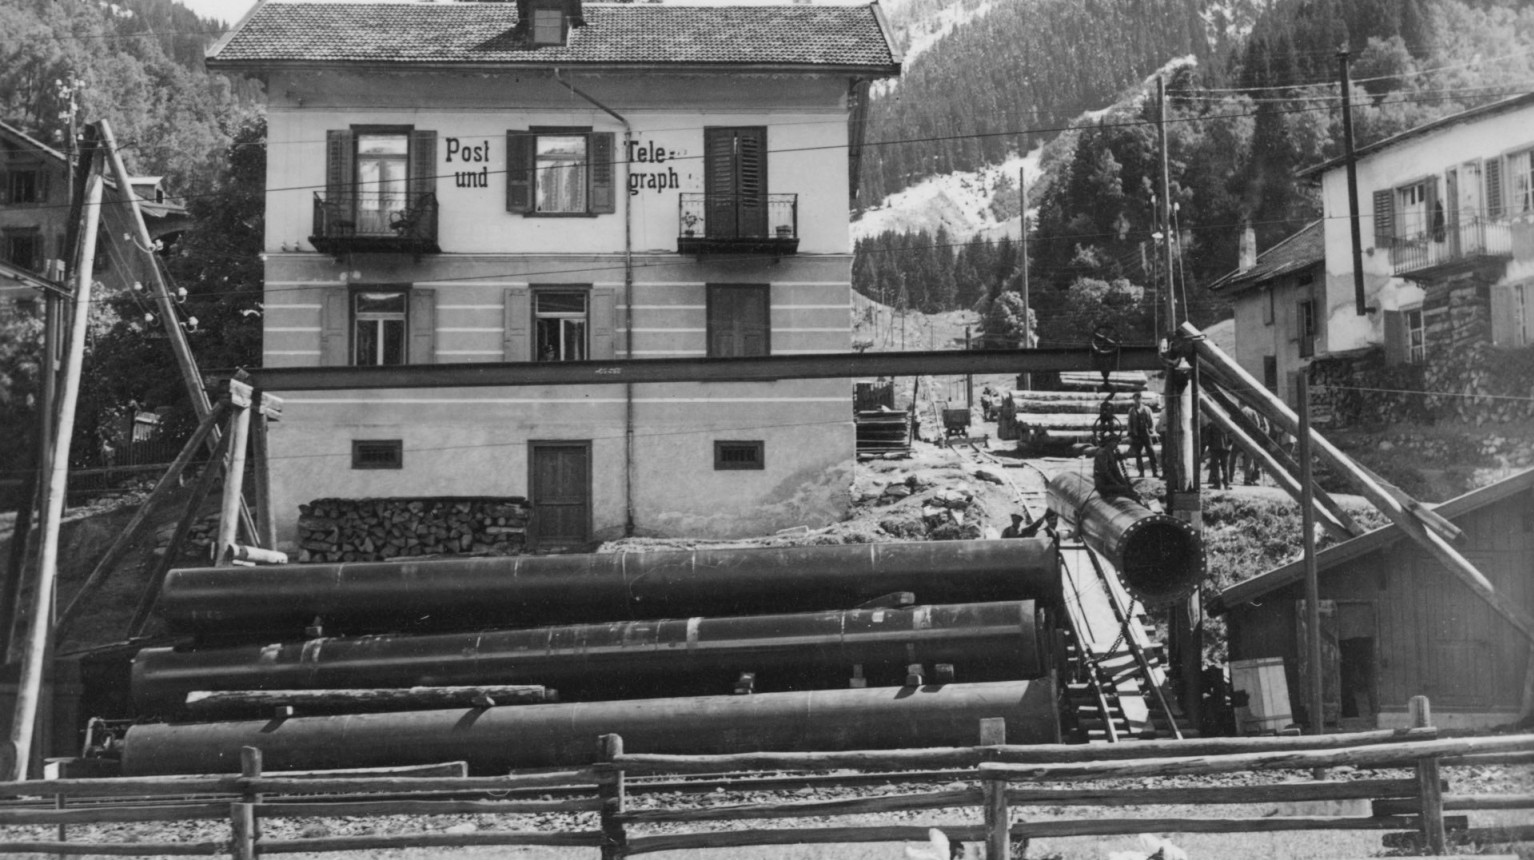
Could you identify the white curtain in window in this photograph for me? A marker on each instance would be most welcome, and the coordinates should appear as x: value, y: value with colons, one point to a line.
x: 561, y: 173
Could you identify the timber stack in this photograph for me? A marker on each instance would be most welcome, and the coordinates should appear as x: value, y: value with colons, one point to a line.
x: 344, y: 530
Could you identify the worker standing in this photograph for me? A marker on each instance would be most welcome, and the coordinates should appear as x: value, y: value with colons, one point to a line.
x: 1141, y: 441
x: 1217, y: 448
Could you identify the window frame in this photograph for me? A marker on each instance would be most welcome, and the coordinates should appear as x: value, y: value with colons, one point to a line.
x: 1415, y: 334
x: 353, y: 320
x: 13, y: 174
x: 600, y: 170
x: 33, y: 237
x: 1305, y: 326
x: 533, y: 28
x: 1269, y: 300
x: 585, y: 291
x: 1516, y: 201
x: 714, y: 291
x: 393, y: 447
x: 757, y: 462
x: 407, y: 182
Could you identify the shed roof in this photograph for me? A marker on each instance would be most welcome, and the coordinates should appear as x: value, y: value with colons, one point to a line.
x: 473, y: 35
x: 1299, y: 250
x: 1339, y: 554
x: 10, y: 131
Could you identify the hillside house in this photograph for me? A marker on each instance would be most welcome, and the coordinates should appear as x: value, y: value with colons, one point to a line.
x: 1274, y: 295
x: 1447, y: 225
x: 1395, y: 624
x: 34, y: 212
x: 548, y: 180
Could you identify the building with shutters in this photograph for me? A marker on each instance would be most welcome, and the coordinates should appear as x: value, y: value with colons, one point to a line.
x: 1447, y: 227
x: 544, y: 180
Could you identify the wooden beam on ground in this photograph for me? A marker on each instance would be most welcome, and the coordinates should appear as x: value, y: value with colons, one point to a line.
x: 758, y: 369
x: 1404, y: 518
x: 204, y: 703
x: 135, y: 528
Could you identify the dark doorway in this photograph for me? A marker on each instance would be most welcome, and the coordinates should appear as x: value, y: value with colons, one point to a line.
x: 560, y: 486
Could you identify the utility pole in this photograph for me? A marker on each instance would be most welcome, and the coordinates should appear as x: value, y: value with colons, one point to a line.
x: 1022, y: 202
x: 1353, y: 225
x: 1180, y: 449
x: 1315, y: 696
x: 29, y: 685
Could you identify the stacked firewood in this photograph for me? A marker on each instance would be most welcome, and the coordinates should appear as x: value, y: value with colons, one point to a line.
x: 331, y: 530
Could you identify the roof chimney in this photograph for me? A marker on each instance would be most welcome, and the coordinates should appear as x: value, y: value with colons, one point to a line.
x: 1248, y: 249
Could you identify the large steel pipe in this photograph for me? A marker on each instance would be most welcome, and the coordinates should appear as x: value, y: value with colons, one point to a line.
x: 1159, y: 558
x: 527, y: 590
x: 626, y: 659
x: 494, y: 740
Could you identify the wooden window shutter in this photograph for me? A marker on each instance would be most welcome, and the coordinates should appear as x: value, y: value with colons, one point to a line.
x: 423, y: 165
x: 1384, y: 218
x: 518, y: 311
x: 335, y: 327
x: 1494, y: 198
x: 340, y: 179
x: 604, y: 198
x: 1395, y: 337
x: 1505, y: 317
x: 604, y: 312
x: 519, y: 171
x: 423, y: 326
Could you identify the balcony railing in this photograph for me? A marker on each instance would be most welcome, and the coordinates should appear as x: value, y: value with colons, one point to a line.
x: 738, y: 224
x: 350, y: 225
x: 1457, y: 246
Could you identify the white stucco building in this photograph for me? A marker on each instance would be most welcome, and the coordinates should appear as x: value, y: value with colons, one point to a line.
x: 546, y: 181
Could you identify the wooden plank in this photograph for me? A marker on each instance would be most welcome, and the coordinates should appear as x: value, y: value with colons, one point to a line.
x: 283, y: 783
x: 796, y: 836
x: 1047, y: 754
x: 1483, y: 759
x: 1456, y: 803
x: 933, y: 757
x: 130, y: 849
x: 1282, y: 793
x: 993, y: 731
x: 372, y: 808
x: 555, y: 838
x: 951, y: 799
x: 1398, y: 754
x: 115, y: 814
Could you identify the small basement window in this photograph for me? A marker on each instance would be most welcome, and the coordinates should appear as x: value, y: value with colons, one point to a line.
x: 739, y: 455
x: 378, y: 454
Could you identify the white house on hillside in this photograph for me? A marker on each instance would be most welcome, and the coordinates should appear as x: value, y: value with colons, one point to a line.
x: 548, y: 181
x: 1447, y: 222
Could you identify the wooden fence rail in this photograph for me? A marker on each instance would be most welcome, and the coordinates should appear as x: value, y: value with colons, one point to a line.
x: 1000, y: 777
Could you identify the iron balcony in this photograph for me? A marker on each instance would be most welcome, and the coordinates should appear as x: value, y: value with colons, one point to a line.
x: 738, y: 224
x: 348, y: 225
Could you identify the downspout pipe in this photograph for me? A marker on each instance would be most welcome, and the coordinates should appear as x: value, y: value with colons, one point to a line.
x: 628, y: 304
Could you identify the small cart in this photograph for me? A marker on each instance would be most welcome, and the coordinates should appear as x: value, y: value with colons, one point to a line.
x: 956, y: 421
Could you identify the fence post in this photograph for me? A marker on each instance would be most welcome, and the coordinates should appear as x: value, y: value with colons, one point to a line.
x: 242, y: 831
x: 610, y: 792
x: 58, y: 803
x: 993, y: 732
x: 1429, y: 788
x: 248, y: 824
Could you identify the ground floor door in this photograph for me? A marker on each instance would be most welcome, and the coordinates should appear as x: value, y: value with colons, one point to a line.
x: 1349, y: 685
x: 560, y: 488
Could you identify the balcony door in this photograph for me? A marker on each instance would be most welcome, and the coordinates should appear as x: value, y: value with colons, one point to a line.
x: 735, y: 182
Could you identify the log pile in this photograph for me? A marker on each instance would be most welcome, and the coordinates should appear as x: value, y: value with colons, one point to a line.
x: 335, y: 530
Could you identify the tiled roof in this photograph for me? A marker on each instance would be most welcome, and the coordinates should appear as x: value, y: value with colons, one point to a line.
x: 415, y: 33
x: 1298, y: 251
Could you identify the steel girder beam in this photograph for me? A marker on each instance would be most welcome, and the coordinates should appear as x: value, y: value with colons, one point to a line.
x: 761, y: 369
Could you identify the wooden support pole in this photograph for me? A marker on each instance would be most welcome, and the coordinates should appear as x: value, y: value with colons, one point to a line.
x: 993, y: 732
x: 1254, y: 449
x: 234, y: 486
x: 266, y: 519
x: 1283, y: 461
x: 1403, y: 518
x: 1315, y: 692
x: 183, y: 529
x: 135, y: 528
x: 39, y: 636
x: 1429, y: 784
x: 610, y: 791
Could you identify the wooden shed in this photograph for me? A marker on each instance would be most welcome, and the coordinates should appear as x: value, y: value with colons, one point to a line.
x: 1396, y: 624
